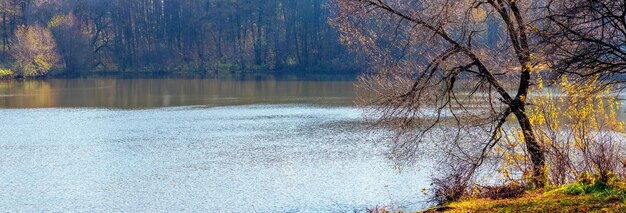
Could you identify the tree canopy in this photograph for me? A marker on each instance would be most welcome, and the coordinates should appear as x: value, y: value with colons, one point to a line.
x: 177, y: 35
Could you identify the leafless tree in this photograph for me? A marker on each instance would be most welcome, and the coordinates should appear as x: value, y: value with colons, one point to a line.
x: 437, y: 64
x: 587, y: 38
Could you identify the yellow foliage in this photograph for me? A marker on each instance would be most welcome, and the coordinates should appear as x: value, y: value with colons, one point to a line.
x: 5, y: 72
x: 56, y: 21
x: 40, y: 60
x: 35, y: 51
x: 568, y: 119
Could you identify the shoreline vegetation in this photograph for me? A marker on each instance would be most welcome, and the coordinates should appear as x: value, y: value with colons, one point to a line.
x: 5, y: 74
x: 582, y: 196
x: 8, y: 74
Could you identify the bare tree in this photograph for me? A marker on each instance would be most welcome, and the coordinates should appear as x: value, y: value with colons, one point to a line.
x: 438, y: 64
x: 72, y: 43
x: 587, y: 38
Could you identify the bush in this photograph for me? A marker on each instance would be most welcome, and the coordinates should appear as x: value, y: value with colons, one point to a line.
x: 452, y: 186
x: 575, y: 189
x: 598, y: 187
x: 578, y: 127
x: 5, y: 73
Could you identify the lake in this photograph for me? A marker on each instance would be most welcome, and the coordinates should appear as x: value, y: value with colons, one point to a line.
x: 246, y: 144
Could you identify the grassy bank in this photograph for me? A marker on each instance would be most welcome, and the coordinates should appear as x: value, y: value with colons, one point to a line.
x: 597, y: 197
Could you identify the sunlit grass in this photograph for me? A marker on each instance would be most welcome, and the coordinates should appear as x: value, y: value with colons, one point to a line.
x: 579, y: 197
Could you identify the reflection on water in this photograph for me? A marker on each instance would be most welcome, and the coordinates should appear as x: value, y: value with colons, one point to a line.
x: 165, y: 92
x: 254, y: 158
x: 254, y: 144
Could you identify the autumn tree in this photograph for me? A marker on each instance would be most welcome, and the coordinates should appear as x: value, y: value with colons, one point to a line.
x: 444, y: 71
x: 34, y: 52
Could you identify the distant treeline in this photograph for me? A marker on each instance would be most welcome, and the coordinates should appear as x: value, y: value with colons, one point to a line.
x: 168, y: 36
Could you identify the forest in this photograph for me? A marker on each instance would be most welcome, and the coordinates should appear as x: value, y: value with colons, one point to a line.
x: 76, y: 36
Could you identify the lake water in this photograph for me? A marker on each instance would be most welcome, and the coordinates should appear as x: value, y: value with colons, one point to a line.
x: 260, y: 144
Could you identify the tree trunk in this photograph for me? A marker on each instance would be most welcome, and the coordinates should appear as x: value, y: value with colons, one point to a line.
x: 5, y: 35
x: 533, y: 148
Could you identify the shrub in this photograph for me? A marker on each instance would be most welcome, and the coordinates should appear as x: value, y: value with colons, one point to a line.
x: 597, y: 187
x: 453, y: 185
x: 575, y: 189
x: 578, y: 128
x: 5, y: 73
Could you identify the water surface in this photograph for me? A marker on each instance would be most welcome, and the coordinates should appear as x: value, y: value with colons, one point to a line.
x: 194, y: 145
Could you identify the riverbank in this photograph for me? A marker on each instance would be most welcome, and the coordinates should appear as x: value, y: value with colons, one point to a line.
x: 577, y: 197
x: 6, y: 73
x: 341, y: 75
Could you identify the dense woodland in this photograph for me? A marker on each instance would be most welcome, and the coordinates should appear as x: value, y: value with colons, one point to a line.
x: 168, y: 36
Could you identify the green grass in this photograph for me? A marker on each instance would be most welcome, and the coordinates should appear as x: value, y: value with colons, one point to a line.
x: 579, y: 197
